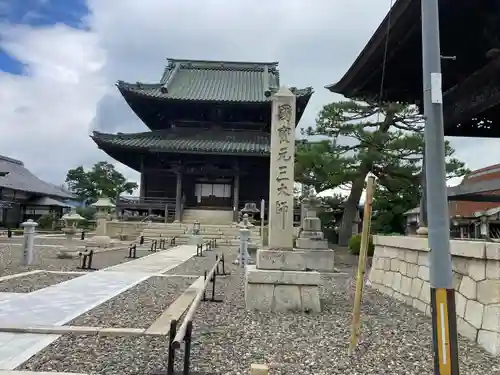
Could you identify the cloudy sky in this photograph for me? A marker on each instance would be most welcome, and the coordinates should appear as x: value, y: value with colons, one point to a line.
x: 59, y: 60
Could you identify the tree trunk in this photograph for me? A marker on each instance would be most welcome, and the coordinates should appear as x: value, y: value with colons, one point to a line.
x: 350, y: 208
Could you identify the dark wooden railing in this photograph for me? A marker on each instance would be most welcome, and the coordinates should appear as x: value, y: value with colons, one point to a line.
x: 146, y: 200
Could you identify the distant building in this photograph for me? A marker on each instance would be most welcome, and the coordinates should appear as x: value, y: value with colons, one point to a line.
x: 208, y: 148
x: 24, y: 196
x: 465, y: 214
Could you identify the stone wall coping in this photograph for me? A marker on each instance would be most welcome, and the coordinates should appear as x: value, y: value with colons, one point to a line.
x: 459, y: 248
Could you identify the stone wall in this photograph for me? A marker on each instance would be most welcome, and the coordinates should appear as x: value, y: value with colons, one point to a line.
x: 400, y: 269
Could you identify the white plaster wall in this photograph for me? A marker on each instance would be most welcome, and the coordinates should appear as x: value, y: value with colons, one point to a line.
x: 400, y: 269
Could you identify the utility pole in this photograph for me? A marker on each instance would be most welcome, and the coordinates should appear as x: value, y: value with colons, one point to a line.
x: 444, y: 323
x: 422, y: 217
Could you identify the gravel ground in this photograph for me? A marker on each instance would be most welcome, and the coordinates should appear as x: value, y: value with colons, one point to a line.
x: 227, y: 339
x: 138, y: 307
x: 43, y: 241
x: 198, y: 265
x: 45, y: 259
x: 30, y: 283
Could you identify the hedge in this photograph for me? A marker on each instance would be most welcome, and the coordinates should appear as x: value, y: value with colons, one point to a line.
x: 355, y: 245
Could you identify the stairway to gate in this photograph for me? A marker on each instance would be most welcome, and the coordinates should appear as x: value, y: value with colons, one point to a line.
x: 211, y: 217
x: 225, y: 234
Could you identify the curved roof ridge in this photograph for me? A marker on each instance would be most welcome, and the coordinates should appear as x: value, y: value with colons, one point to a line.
x: 11, y: 160
x: 195, y: 61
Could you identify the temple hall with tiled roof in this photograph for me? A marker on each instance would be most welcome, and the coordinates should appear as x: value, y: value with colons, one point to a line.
x: 208, y: 147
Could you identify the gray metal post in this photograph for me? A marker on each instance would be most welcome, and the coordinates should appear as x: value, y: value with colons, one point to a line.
x: 422, y: 217
x: 262, y: 213
x: 442, y: 292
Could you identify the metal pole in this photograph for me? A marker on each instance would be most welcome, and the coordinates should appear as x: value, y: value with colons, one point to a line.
x: 422, y: 219
x: 444, y: 324
x: 262, y: 213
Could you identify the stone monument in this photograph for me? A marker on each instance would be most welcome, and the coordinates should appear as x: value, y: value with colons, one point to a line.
x: 281, y: 279
x: 28, y: 241
x: 311, y: 241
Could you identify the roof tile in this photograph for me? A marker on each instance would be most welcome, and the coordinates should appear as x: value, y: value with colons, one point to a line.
x: 219, y: 81
x: 190, y: 140
x: 20, y: 178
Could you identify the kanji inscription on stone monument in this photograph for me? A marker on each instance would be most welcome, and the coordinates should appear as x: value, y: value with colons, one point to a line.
x: 282, y: 171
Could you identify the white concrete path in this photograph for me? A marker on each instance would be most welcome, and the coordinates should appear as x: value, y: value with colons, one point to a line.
x: 58, y: 304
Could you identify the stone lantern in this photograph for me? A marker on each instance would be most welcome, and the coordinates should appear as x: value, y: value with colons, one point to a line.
x: 245, y: 222
x: 71, y: 220
x: 484, y: 226
x: 250, y: 210
x: 103, y: 207
x: 196, y: 237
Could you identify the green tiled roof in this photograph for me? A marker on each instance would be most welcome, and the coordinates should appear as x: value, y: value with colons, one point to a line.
x: 220, y: 81
x: 189, y: 141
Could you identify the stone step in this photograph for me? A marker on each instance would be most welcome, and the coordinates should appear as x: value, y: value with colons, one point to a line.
x: 149, y: 237
x: 221, y: 242
x: 171, y: 233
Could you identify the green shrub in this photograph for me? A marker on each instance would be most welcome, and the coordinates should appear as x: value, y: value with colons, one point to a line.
x: 355, y: 245
x: 86, y: 212
x: 46, y: 221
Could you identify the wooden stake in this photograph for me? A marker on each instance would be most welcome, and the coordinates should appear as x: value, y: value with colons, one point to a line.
x: 363, y: 252
x: 259, y: 369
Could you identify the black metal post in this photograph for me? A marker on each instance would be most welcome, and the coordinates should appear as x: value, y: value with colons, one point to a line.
x: 187, y: 347
x: 141, y: 240
x: 223, y: 265
x: 171, y: 349
x: 213, y: 287
x: 217, y: 260
x: 84, y: 261
x: 9, y: 233
x: 132, y: 251
x: 82, y: 237
x: 204, y: 290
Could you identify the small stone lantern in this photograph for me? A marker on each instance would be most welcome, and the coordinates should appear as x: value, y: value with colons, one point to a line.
x: 484, y: 227
x: 196, y: 227
x: 245, y: 222
x: 71, y: 221
x: 196, y: 238
x: 250, y: 209
x: 103, y: 206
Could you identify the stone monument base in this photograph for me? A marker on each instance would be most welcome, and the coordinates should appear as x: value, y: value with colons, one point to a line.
x: 297, y: 260
x: 275, y: 290
x: 309, y: 243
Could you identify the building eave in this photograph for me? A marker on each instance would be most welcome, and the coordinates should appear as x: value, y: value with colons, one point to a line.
x: 347, y: 84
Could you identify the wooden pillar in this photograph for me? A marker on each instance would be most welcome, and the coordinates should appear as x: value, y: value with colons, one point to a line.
x: 236, y: 196
x: 178, y: 197
x: 142, y: 187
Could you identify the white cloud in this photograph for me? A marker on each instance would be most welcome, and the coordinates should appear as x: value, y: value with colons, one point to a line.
x: 46, y: 115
